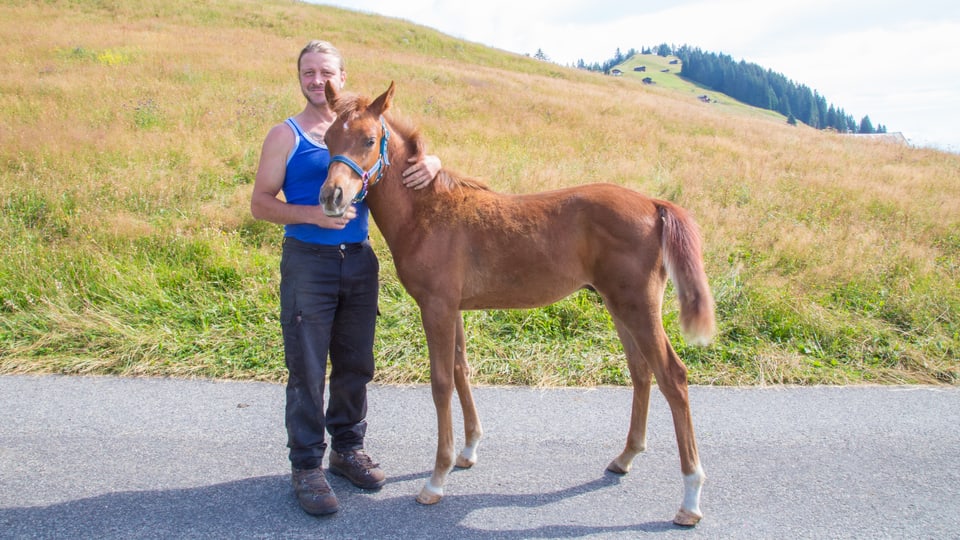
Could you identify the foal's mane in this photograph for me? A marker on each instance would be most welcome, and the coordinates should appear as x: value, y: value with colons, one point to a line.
x: 446, y: 179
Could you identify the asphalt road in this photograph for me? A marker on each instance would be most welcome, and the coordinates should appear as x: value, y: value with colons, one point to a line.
x: 85, y: 457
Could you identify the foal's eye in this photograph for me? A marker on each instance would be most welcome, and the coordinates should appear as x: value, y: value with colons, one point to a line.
x: 370, y: 142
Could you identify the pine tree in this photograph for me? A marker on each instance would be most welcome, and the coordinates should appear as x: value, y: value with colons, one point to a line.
x: 756, y: 86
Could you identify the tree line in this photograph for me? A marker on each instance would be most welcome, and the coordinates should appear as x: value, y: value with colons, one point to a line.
x: 606, y: 66
x: 751, y: 84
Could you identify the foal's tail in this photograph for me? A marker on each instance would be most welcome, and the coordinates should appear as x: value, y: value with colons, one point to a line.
x: 683, y: 259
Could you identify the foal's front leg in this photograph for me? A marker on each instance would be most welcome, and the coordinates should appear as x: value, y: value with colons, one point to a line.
x: 440, y: 329
x: 473, y: 432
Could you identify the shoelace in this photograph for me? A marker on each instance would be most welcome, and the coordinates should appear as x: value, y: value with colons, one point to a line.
x: 312, y: 477
x: 364, y: 460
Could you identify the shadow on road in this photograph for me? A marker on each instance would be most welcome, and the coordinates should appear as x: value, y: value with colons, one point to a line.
x: 265, y: 507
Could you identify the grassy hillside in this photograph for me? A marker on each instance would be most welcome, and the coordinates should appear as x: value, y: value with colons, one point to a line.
x: 131, y: 133
x: 662, y: 72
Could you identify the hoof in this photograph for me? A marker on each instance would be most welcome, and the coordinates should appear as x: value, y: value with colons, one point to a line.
x: 428, y: 498
x: 464, y: 462
x: 686, y: 519
x: 429, y: 495
x: 616, y: 468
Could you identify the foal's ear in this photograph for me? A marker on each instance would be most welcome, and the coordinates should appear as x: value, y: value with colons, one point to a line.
x: 331, y: 94
x: 382, y: 103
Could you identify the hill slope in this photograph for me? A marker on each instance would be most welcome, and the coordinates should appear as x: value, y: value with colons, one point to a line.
x: 130, y: 140
x: 664, y: 71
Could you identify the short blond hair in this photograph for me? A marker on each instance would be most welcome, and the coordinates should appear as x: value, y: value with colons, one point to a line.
x: 323, y: 47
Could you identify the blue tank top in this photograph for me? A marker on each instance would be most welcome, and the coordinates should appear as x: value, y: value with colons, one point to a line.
x: 306, y: 173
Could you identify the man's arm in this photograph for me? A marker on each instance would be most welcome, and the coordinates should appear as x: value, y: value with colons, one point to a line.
x: 422, y: 172
x: 264, y: 203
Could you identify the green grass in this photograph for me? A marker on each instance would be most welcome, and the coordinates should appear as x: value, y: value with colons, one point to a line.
x: 127, y: 246
x: 665, y: 75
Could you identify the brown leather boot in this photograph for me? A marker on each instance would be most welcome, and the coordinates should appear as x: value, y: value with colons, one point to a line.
x: 313, y: 492
x: 356, y: 466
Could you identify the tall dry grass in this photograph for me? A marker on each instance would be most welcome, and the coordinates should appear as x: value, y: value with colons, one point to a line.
x: 130, y: 138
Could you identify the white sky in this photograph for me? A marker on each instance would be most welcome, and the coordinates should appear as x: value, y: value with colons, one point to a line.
x: 894, y: 60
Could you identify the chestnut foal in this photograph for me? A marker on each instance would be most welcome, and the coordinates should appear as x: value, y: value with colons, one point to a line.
x: 459, y: 246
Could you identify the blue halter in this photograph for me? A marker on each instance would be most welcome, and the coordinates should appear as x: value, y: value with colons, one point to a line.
x: 382, y: 163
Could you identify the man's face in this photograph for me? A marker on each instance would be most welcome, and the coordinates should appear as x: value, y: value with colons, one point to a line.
x: 316, y: 69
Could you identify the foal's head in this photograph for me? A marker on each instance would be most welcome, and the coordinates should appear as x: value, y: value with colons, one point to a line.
x: 357, y: 141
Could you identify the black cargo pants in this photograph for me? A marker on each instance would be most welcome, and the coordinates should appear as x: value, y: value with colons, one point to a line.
x: 328, y: 306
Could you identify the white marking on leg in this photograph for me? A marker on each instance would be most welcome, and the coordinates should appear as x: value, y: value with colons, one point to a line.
x: 691, y: 491
x: 429, y: 487
x: 469, y: 452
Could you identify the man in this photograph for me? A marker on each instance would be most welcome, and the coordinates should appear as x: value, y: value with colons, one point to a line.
x: 328, y: 290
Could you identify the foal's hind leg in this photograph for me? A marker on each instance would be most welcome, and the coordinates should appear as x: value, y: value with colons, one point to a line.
x: 672, y: 380
x: 654, y: 348
x: 473, y: 432
x: 641, y: 376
